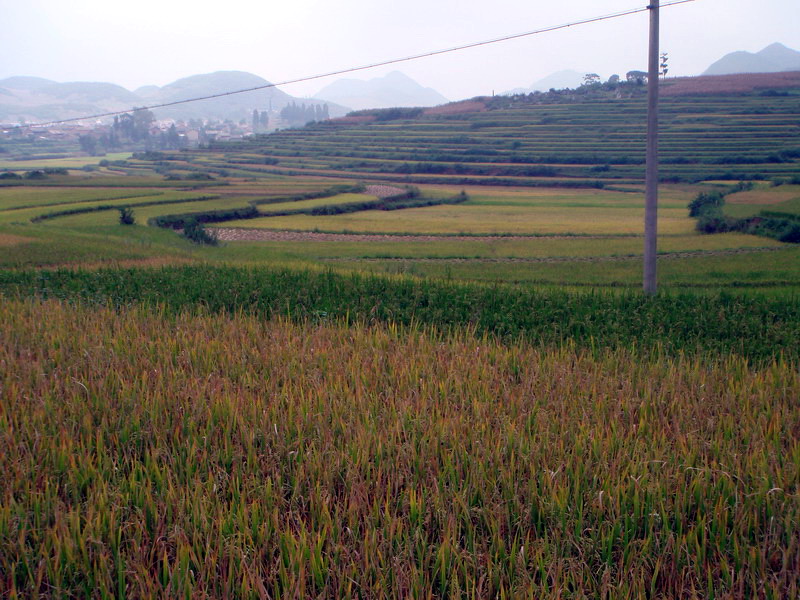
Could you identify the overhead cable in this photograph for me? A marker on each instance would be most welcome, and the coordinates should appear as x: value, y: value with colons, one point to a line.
x: 383, y: 63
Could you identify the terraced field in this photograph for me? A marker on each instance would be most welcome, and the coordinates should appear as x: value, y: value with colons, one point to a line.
x: 524, y: 142
x: 564, y: 237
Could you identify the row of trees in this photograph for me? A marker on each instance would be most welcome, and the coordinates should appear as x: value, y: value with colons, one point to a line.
x: 132, y: 130
x: 298, y: 115
x: 260, y: 121
x: 639, y: 77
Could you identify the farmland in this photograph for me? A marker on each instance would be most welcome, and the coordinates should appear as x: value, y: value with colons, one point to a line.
x: 368, y: 388
x: 524, y: 141
x: 237, y: 457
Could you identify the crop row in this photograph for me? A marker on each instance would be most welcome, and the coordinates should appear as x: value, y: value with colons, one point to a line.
x: 759, y: 329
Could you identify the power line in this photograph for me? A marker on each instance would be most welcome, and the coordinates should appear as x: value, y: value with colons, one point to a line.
x: 384, y: 63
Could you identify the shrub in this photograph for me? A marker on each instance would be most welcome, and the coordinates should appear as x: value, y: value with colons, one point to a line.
x: 790, y: 234
x: 126, y: 216
x: 715, y: 222
x: 199, y: 176
x: 706, y: 202
x: 195, y: 232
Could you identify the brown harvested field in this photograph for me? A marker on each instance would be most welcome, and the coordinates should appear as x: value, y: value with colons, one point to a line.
x: 456, y: 108
x: 729, y: 84
x: 383, y: 191
x: 8, y: 239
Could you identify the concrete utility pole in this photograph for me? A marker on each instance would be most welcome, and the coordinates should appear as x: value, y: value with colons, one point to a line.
x: 651, y: 178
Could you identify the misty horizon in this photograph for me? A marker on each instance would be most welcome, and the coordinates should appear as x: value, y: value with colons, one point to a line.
x: 158, y: 44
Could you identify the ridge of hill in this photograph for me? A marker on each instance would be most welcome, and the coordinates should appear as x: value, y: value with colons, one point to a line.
x: 393, y: 90
x: 22, y: 82
x: 568, y: 78
x: 772, y: 59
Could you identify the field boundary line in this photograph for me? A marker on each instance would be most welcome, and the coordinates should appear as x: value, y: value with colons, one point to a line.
x: 559, y: 259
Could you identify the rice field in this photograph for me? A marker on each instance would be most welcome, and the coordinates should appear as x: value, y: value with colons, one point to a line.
x: 75, y: 162
x: 15, y: 198
x: 243, y: 458
x: 111, y: 217
x: 493, y: 219
x: 419, y: 415
x: 544, y: 236
x: 785, y: 198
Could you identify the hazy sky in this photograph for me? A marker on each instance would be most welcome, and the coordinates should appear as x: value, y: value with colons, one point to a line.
x: 158, y: 41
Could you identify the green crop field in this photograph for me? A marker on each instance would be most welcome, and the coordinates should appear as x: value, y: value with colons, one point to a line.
x: 467, y: 399
x: 785, y: 198
x: 68, y: 163
x: 496, y: 220
x: 26, y: 197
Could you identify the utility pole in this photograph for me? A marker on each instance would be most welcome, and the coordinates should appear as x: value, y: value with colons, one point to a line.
x: 651, y: 177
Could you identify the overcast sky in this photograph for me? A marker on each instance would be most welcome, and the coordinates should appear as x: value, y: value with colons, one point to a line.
x: 157, y: 41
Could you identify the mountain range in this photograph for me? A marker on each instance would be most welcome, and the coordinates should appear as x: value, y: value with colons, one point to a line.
x: 389, y: 91
x: 772, y: 59
x: 37, y: 99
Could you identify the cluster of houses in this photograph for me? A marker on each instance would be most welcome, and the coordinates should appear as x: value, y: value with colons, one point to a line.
x: 104, y: 135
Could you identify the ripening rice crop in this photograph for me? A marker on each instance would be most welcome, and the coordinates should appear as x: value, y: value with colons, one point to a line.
x: 147, y: 453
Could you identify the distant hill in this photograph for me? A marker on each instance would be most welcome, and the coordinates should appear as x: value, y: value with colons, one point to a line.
x: 238, y: 106
x: 25, y: 83
x: 772, y: 59
x: 34, y: 98
x: 558, y: 81
x: 392, y: 90
x: 84, y: 91
x: 146, y: 91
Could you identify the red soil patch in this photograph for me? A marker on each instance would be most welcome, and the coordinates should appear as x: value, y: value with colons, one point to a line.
x: 729, y: 84
x: 456, y: 108
x: 763, y: 197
